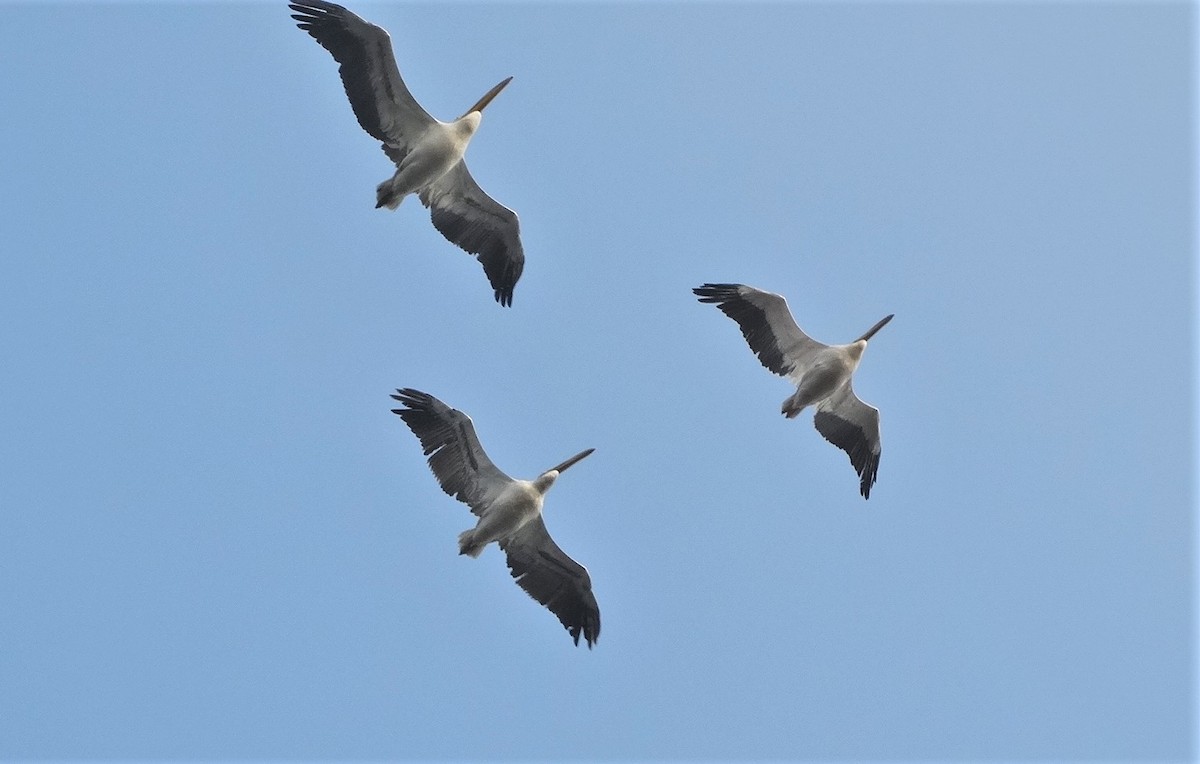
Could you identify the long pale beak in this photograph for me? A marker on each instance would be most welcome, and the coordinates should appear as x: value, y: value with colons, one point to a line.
x: 487, y: 97
x: 562, y: 467
x: 871, y: 332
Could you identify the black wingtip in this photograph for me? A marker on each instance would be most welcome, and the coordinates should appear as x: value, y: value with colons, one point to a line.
x: 869, y: 474
x: 589, y: 632
x: 311, y: 6
x: 504, y: 279
x: 715, y: 292
x: 414, y: 399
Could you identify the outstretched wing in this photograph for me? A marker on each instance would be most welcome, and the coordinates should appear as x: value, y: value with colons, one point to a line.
x: 552, y: 578
x: 379, y: 97
x: 456, y: 457
x: 767, y: 325
x: 853, y: 426
x: 479, y: 224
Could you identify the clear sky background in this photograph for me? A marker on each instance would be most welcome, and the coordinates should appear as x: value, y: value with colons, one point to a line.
x: 216, y: 541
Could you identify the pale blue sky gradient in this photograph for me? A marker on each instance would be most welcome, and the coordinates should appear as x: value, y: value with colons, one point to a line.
x: 217, y: 542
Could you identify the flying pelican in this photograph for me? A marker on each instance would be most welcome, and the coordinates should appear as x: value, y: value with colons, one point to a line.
x: 428, y: 153
x: 510, y: 511
x: 821, y: 372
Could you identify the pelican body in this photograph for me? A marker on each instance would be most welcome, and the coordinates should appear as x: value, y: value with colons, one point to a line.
x: 509, y: 511
x: 829, y: 368
x: 431, y: 154
x: 518, y: 503
x: 427, y: 152
x: 821, y: 373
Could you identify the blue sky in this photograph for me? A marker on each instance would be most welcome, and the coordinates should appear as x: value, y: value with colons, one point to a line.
x: 217, y: 542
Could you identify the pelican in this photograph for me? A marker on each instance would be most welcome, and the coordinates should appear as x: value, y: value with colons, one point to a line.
x: 428, y: 154
x: 821, y: 372
x: 510, y: 511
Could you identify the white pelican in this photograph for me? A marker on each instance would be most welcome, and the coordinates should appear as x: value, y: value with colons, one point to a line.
x: 510, y: 511
x: 428, y: 153
x: 821, y: 372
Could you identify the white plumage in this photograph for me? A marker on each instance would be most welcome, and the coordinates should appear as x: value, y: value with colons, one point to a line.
x: 428, y: 153
x: 820, y: 372
x: 509, y: 511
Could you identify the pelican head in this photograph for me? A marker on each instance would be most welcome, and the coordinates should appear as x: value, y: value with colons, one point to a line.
x: 547, y: 478
x: 487, y: 97
x: 871, y: 332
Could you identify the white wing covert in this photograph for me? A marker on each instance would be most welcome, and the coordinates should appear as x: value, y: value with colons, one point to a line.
x: 853, y: 426
x: 456, y: 456
x: 552, y: 578
x: 479, y: 224
x: 767, y: 325
x: 381, y: 101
